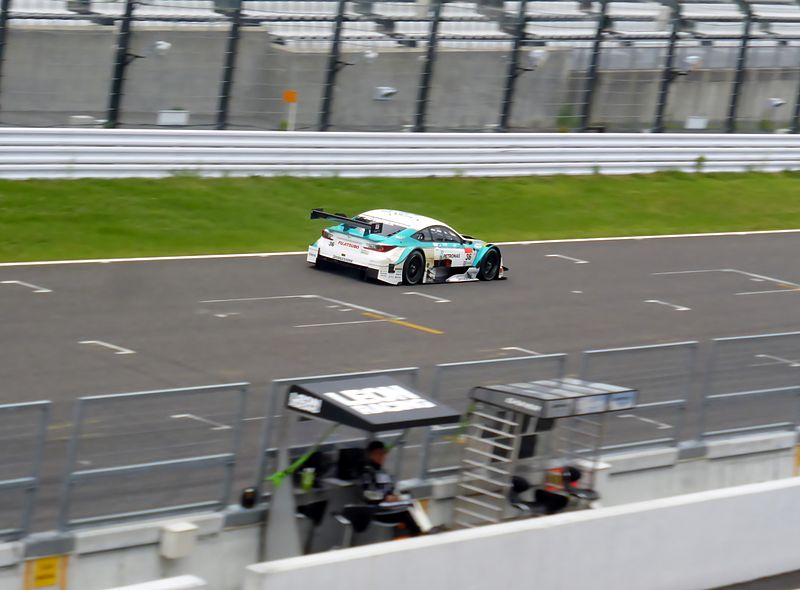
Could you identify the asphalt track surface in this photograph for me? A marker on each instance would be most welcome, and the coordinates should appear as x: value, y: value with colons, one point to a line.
x: 72, y: 330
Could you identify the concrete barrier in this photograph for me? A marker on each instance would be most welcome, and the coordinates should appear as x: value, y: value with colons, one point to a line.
x: 702, y: 540
x: 176, y: 583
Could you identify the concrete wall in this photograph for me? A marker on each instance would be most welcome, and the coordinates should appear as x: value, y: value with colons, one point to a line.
x: 702, y: 540
x: 53, y: 72
x: 660, y: 473
x: 111, y: 556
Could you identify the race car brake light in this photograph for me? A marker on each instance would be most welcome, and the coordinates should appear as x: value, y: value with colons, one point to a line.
x: 378, y: 247
x: 327, y: 235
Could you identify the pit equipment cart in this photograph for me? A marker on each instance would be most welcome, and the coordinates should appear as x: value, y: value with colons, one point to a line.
x: 532, y: 448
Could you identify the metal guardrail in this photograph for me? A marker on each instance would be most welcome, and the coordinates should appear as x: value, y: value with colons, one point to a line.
x: 110, y: 153
x: 139, y: 437
x: 665, y: 376
x: 110, y: 442
x: 27, y: 480
x: 741, y: 370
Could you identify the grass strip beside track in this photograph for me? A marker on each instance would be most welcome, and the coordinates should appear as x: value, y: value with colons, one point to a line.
x: 91, y: 218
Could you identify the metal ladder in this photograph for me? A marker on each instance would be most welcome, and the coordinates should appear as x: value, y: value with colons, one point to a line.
x: 491, y: 445
x: 577, y: 441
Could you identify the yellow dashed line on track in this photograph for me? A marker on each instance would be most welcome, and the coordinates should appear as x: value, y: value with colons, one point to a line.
x: 402, y: 323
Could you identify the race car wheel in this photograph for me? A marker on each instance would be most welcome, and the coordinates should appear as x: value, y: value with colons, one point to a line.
x: 414, y: 268
x: 490, y: 265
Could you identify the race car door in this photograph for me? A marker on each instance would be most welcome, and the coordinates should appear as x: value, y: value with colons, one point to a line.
x: 448, y: 246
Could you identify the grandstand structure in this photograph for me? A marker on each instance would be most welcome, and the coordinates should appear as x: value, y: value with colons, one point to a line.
x: 488, y: 65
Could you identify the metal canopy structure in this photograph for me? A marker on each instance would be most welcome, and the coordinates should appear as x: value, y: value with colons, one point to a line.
x: 372, y: 404
x: 559, y: 398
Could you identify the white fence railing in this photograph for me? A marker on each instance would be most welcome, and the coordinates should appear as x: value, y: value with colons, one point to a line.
x: 107, y: 153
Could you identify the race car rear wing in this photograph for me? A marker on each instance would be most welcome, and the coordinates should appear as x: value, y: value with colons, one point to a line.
x: 369, y: 228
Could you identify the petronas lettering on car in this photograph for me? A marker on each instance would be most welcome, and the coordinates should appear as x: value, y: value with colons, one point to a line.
x: 397, y: 247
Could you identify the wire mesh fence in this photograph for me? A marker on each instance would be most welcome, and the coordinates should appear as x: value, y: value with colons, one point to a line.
x: 395, y: 66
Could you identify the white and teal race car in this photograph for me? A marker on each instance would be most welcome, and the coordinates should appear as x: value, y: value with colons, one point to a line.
x: 397, y: 247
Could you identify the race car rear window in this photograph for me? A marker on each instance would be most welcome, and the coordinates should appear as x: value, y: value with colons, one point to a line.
x: 388, y: 230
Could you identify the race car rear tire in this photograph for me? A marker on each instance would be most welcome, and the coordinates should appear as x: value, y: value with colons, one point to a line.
x: 414, y: 268
x: 490, y: 265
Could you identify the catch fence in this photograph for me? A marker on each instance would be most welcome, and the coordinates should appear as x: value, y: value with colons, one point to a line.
x: 430, y: 65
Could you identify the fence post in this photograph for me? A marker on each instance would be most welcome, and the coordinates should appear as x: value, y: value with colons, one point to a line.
x: 668, y: 74
x: 72, y: 457
x: 121, y: 62
x: 733, y: 105
x: 235, y: 444
x: 796, y: 115
x: 591, y: 82
x: 38, y: 458
x: 427, y: 69
x: 513, y: 68
x: 4, y: 6
x: 334, y: 65
x: 229, y: 68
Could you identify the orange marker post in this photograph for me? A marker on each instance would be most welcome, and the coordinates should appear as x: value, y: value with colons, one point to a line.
x: 290, y: 98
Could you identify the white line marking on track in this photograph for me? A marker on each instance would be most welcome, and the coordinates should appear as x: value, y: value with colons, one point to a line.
x: 226, y: 315
x: 36, y: 288
x: 259, y: 298
x: 656, y: 423
x: 672, y: 305
x: 778, y: 359
x: 254, y: 418
x: 389, y: 316
x: 769, y: 291
x: 525, y: 350
x: 436, y: 299
x: 575, y: 260
x: 341, y: 323
x: 751, y: 275
x: 576, y: 292
x: 117, y: 349
x: 303, y: 253
x: 212, y: 423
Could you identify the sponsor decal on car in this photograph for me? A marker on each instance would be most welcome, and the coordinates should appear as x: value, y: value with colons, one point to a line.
x: 348, y: 244
x: 380, y: 400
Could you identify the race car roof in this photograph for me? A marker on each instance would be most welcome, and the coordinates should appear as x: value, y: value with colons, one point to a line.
x: 394, y: 217
x: 374, y: 404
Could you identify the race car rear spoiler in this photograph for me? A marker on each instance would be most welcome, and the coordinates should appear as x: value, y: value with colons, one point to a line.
x: 369, y: 228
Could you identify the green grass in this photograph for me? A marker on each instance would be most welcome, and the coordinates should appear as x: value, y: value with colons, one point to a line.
x: 44, y: 219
